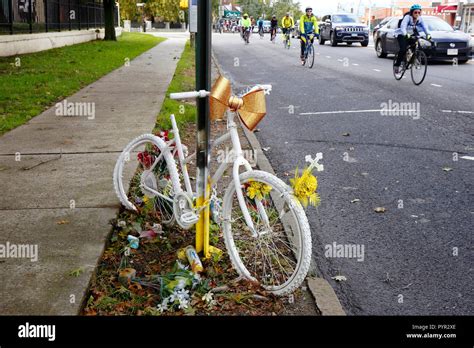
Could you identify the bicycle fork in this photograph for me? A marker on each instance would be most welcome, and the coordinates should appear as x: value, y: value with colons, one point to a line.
x: 241, y: 161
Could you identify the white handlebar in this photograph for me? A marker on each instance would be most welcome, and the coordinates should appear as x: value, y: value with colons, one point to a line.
x: 203, y: 93
x: 190, y: 95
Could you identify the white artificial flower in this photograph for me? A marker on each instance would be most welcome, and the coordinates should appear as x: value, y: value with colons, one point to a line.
x: 173, y: 297
x: 182, y: 294
x: 208, y: 297
x: 163, y: 307
x: 183, y: 304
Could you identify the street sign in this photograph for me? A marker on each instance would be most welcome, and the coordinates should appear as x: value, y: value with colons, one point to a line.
x: 193, y: 16
x: 231, y: 14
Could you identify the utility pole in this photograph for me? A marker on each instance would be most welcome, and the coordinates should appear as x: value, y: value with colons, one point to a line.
x: 203, y: 82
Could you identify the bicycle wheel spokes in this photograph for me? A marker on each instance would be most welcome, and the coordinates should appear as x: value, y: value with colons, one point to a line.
x: 419, y: 67
x: 150, y: 189
x: 274, y: 256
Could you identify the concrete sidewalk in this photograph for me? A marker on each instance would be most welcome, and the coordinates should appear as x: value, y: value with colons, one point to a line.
x: 68, y: 160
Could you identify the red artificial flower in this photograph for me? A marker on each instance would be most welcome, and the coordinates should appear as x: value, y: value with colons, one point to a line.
x: 146, y: 159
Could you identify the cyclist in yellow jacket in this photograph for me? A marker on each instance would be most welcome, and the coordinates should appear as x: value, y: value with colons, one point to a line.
x: 287, y: 24
x: 308, y: 25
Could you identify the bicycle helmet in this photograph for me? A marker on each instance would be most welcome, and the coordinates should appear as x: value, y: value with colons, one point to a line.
x: 415, y: 7
x: 308, y: 8
x: 245, y: 15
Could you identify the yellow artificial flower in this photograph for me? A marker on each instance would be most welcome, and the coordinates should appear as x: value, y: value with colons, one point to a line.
x: 258, y: 190
x: 304, y: 188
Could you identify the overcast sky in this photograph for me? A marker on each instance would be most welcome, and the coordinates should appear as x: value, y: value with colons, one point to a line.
x: 322, y: 7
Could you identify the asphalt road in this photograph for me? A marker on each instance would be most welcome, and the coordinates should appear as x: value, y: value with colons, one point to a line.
x: 418, y: 255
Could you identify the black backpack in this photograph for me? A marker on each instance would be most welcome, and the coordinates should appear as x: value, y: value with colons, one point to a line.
x: 401, y: 20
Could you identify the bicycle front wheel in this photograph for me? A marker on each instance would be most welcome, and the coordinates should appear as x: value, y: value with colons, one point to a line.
x: 310, y: 58
x: 143, y: 178
x: 279, y: 256
x: 419, y: 68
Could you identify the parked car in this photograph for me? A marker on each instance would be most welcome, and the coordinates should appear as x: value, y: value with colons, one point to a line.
x: 343, y: 27
x: 380, y: 25
x: 267, y: 26
x: 448, y: 43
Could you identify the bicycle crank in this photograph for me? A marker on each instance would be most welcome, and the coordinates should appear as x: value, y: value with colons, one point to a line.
x: 184, y: 211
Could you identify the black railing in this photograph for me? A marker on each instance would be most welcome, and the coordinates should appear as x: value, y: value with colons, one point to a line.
x: 36, y: 16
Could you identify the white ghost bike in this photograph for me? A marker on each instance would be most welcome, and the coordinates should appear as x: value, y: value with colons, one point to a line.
x: 265, y: 228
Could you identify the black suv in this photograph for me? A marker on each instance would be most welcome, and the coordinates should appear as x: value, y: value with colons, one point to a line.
x: 343, y: 27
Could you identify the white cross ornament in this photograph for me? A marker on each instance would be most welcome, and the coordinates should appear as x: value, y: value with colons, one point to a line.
x: 314, y: 163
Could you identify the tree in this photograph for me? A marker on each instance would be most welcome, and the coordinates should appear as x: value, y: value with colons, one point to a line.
x: 168, y: 10
x: 109, y: 6
x: 129, y: 10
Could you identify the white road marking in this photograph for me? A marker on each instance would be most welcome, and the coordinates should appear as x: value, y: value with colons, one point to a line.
x: 435, y: 85
x: 340, y: 60
x: 328, y: 57
x: 355, y: 64
x: 340, y: 112
x: 457, y: 112
x: 470, y: 158
x: 377, y: 70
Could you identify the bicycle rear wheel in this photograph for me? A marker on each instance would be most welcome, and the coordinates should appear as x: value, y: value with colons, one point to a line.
x: 310, y: 58
x: 279, y: 256
x: 142, y: 170
x: 401, y: 71
x: 419, y: 67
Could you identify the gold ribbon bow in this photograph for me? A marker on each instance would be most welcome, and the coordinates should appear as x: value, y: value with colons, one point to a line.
x: 251, y: 107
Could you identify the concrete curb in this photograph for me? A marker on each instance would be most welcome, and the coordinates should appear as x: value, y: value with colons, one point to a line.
x: 325, y: 297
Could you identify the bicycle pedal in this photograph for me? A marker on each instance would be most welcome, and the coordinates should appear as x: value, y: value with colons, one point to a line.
x: 190, y: 217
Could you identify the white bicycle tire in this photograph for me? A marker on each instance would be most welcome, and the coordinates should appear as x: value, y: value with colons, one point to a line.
x: 117, y: 176
x: 303, y: 264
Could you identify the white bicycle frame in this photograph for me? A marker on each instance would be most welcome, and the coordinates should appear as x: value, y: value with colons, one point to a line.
x: 239, y: 160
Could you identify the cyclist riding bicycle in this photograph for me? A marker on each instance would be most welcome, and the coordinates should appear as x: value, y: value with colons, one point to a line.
x: 246, y: 24
x: 287, y: 23
x: 308, y: 25
x: 273, y: 27
x: 411, y: 24
x: 260, y: 25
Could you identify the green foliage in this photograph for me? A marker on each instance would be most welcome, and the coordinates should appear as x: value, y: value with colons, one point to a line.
x: 183, y: 80
x: 129, y: 10
x: 167, y: 10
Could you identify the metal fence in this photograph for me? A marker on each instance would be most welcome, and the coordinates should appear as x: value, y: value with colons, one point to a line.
x: 36, y: 16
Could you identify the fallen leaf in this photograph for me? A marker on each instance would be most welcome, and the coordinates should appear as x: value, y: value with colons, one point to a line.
x: 346, y: 134
x: 76, y: 272
x: 380, y: 210
x: 150, y: 234
x: 355, y: 200
x: 447, y: 169
x: 266, y: 149
x: 62, y: 222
